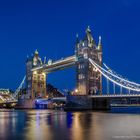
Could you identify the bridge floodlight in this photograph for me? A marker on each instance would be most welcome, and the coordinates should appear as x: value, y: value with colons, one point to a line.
x: 76, y: 90
x: 35, y: 72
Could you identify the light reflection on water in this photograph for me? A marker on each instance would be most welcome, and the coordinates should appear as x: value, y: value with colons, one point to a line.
x: 53, y: 125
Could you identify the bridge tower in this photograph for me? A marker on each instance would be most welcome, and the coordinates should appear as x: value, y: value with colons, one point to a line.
x: 89, y: 80
x: 36, y: 80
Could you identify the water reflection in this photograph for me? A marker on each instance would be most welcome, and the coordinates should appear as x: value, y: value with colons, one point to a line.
x: 53, y: 125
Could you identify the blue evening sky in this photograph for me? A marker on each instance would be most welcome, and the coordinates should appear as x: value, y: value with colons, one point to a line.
x: 51, y: 26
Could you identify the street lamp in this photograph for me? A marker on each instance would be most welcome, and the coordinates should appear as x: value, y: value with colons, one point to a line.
x: 76, y: 90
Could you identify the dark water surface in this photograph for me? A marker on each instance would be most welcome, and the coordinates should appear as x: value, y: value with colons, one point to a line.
x: 60, y: 125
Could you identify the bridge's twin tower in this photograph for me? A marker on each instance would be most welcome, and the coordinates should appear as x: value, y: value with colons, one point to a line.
x: 35, y: 80
x: 88, y: 79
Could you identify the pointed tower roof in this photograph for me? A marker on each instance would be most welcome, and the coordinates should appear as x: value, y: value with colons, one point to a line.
x: 89, y: 36
x: 76, y: 44
x: 77, y: 39
x: 88, y: 29
x: 36, y: 52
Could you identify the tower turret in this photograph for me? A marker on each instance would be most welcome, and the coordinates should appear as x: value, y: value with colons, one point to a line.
x: 77, y: 38
x: 36, y: 59
x: 100, y: 43
x: 89, y: 37
x: 36, y: 53
x: 77, y: 44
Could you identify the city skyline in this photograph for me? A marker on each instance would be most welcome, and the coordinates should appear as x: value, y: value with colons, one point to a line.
x: 34, y: 28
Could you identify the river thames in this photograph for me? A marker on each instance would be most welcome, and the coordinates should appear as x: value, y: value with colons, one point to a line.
x: 60, y: 125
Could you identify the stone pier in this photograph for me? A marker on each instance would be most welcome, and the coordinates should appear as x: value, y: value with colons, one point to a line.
x: 86, y: 103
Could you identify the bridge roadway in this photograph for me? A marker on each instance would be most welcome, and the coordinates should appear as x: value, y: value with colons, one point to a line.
x: 57, y: 65
x: 115, y: 96
x: 91, y: 96
x: 106, y: 96
x: 8, y: 102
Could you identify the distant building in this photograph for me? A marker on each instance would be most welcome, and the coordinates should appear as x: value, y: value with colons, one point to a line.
x: 35, y: 81
x: 5, y: 95
x: 4, y: 91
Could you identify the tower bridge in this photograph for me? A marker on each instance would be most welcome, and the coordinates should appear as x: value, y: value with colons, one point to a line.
x: 90, y: 71
x: 87, y: 80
